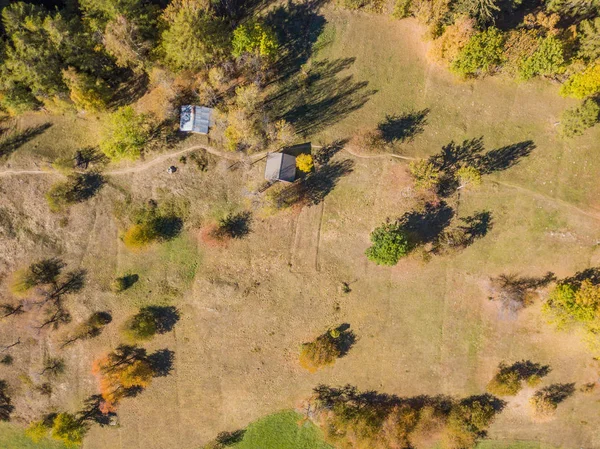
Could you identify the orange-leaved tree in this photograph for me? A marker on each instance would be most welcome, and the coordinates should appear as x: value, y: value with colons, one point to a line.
x: 124, y: 372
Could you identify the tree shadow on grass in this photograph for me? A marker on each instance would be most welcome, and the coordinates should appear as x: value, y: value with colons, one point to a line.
x: 527, y: 368
x: 323, y: 155
x: 319, y: 98
x: 426, y: 225
x: 235, y: 226
x: 87, y: 185
x: 471, y: 153
x: 93, y: 411
x: 230, y: 438
x: 589, y: 274
x: 168, y: 227
x: 12, y: 140
x: 321, y: 182
x: 403, y: 128
x: 476, y: 226
x: 165, y: 317
x: 557, y: 393
x: 345, y: 340
x: 161, y: 362
x: 297, y: 26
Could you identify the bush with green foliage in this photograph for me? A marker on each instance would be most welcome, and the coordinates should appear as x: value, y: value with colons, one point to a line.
x: 583, y: 84
x: 125, y: 133
x: 576, y: 120
x: 193, y: 36
x: 255, y: 38
x: 141, y: 327
x: 389, y: 244
x: 482, y: 55
x: 547, y: 60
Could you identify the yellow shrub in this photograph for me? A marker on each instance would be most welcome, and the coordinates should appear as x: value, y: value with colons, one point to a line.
x: 304, y: 162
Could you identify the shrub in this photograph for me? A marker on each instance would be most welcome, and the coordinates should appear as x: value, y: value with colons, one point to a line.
x: 576, y: 120
x: 139, y: 235
x: 389, y: 244
x: 254, y: 38
x: 583, y: 84
x: 64, y: 427
x: 78, y: 188
x: 304, y: 162
x: 509, y: 379
x: 125, y: 133
x: 424, y: 173
x: 482, y: 55
x: 142, y: 326
x: 505, y: 383
x: 547, y: 60
x: 321, y: 352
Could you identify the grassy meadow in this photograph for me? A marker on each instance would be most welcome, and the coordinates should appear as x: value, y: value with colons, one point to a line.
x: 423, y: 326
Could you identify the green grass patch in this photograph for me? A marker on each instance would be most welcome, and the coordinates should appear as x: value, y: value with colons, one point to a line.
x: 284, y: 430
x: 165, y: 271
x: 13, y: 437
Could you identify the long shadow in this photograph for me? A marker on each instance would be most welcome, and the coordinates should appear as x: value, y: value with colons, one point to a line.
x: 165, y: 317
x: 514, y: 292
x: 6, y: 407
x: 505, y: 157
x: 527, y: 368
x: 557, y: 393
x: 472, y: 153
x: 323, y: 155
x: 403, y: 128
x: 320, y: 183
x: 14, y: 140
x: 297, y: 26
x: 345, y: 340
x: 320, y: 98
x: 589, y: 274
x: 476, y: 226
x: 235, y: 226
x: 425, y: 226
x: 93, y: 411
x: 161, y: 362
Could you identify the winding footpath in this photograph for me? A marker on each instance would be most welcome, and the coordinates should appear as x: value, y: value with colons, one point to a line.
x: 255, y: 157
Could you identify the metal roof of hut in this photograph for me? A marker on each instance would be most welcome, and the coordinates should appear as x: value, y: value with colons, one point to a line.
x: 280, y: 167
x: 195, y: 119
